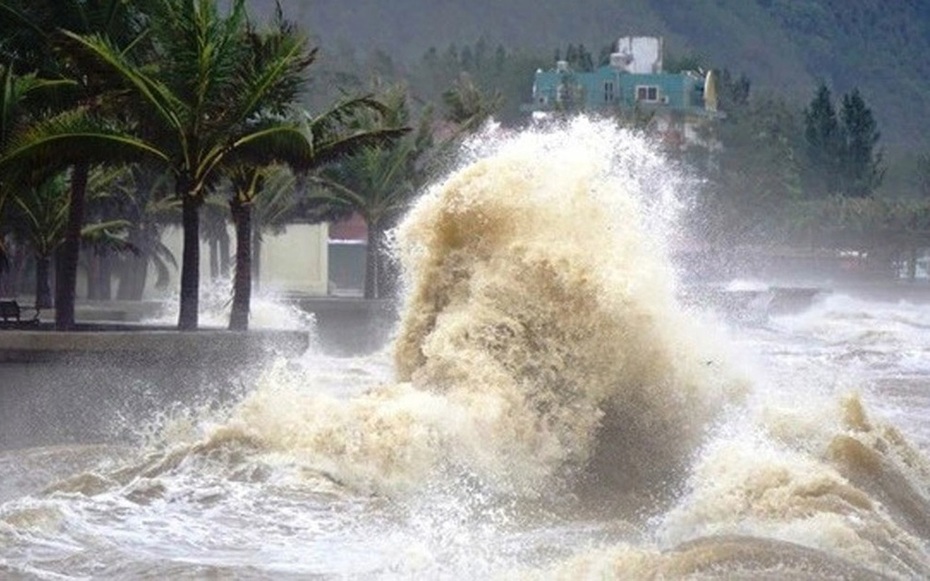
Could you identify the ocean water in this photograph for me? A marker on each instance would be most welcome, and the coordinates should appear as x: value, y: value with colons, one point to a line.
x: 546, y: 409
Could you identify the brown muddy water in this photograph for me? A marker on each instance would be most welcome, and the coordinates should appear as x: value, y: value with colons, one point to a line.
x: 546, y: 409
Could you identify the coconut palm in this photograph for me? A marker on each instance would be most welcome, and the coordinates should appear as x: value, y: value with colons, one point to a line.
x: 331, y: 134
x: 467, y: 106
x: 22, y: 100
x: 379, y: 182
x: 139, y: 196
x: 196, y: 102
x: 334, y: 135
x: 40, y: 217
x: 148, y: 206
x: 33, y: 37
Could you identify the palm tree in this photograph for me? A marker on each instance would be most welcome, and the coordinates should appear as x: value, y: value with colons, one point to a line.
x: 334, y: 135
x: 208, y: 101
x: 22, y: 100
x: 210, y: 104
x: 379, y: 181
x: 136, y: 195
x: 40, y: 217
x: 33, y: 37
x: 195, y: 102
x: 147, y: 206
x: 215, y: 232
x: 467, y: 106
x: 247, y: 183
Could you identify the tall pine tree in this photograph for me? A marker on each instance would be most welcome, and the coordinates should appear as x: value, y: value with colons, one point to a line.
x: 824, y: 145
x: 861, y: 163
x: 841, y: 154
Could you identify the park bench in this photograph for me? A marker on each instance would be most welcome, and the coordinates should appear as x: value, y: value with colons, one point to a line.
x: 11, y: 315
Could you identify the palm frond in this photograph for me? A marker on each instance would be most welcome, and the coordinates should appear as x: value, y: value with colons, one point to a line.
x: 22, y: 97
x: 342, y: 147
x: 157, y: 96
x: 275, y: 73
x: 109, y: 236
x: 333, y: 191
x: 71, y: 137
x: 18, y: 19
x: 41, y: 213
x: 161, y: 258
x: 265, y: 143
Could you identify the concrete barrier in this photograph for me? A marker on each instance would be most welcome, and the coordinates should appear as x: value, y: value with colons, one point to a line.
x: 141, y: 344
x: 110, y: 379
x: 107, y: 385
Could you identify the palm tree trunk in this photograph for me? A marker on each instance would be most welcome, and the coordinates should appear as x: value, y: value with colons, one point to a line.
x: 105, y: 271
x: 214, y: 259
x: 224, y: 253
x: 373, y: 261
x: 93, y: 276
x: 66, y: 262
x: 132, y: 275
x: 43, y: 288
x: 140, y: 276
x: 6, y: 264
x: 242, y: 283
x: 256, y: 253
x: 190, y: 263
x: 126, y: 286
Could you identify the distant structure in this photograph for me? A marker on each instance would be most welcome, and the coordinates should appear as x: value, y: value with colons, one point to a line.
x: 633, y: 83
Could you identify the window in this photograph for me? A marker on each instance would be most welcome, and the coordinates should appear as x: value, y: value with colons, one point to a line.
x: 608, y: 91
x: 647, y: 93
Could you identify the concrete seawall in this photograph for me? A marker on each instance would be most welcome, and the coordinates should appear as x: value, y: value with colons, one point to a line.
x: 138, y: 344
x: 104, y: 386
x: 345, y: 326
x: 109, y: 379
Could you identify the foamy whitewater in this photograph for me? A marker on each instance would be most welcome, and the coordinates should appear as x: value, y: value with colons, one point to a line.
x: 547, y: 409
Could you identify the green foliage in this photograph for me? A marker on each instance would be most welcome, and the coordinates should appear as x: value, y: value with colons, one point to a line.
x: 923, y: 175
x: 755, y: 177
x: 467, y: 106
x: 378, y: 180
x: 862, y: 164
x: 732, y: 92
x: 868, y: 224
x: 785, y: 45
x: 31, y: 30
x: 673, y: 63
x: 41, y: 213
x: 506, y: 76
x: 841, y: 155
x: 578, y: 58
x: 824, y: 145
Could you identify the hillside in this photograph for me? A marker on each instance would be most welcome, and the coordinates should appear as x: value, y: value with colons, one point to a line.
x: 782, y: 45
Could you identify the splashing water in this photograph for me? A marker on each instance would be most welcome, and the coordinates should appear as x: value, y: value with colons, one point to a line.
x: 265, y: 312
x: 540, y: 316
x: 546, y: 410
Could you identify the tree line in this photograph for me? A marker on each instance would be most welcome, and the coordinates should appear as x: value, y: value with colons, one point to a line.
x: 119, y: 119
x: 807, y: 178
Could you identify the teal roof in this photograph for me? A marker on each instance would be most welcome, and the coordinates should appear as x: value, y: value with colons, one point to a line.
x: 610, y: 87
